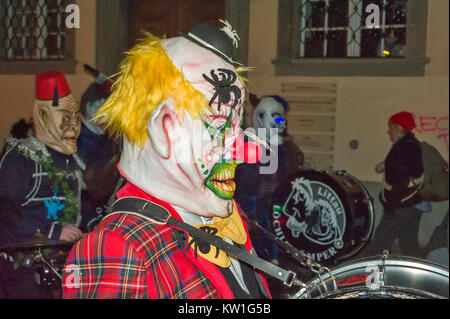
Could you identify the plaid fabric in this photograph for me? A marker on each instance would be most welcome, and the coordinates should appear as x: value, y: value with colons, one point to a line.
x: 129, y: 257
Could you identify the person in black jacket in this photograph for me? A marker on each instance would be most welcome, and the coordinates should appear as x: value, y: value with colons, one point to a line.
x: 100, y: 154
x: 256, y: 183
x: 403, y: 178
x: 40, y: 183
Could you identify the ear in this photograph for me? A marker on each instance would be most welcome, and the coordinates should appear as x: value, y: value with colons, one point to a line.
x: 160, y: 122
x: 41, y: 114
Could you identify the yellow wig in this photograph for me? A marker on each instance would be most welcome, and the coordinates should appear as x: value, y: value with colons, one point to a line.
x: 147, y: 77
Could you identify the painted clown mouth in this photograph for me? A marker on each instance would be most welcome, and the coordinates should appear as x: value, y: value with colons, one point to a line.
x: 221, y: 180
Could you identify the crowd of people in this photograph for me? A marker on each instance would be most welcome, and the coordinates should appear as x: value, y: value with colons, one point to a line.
x: 134, y: 145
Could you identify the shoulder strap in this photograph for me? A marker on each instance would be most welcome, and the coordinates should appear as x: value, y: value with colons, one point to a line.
x: 112, y: 198
x: 160, y: 215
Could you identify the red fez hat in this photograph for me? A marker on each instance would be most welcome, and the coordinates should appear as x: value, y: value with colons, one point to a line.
x: 49, y: 83
x: 404, y: 119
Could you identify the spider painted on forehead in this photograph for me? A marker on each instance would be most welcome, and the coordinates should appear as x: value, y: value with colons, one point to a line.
x: 223, y: 86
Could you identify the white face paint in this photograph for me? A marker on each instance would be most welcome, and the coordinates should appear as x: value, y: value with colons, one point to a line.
x: 269, y: 114
x: 182, y: 162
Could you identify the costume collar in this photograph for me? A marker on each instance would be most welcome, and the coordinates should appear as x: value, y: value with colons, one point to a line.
x: 191, y: 218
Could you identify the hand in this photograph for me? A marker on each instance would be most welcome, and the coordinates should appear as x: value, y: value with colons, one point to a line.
x: 70, y: 233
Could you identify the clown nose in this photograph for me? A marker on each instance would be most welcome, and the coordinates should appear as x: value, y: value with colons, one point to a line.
x: 248, y: 152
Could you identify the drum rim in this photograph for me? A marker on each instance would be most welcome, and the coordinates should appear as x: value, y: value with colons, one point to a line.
x: 399, y: 261
x: 368, y: 235
x: 380, y: 291
x: 396, y: 261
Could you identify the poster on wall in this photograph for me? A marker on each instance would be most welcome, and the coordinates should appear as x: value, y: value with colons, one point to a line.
x: 312, y: 120
x: 309, y: 88
x: 314, y: 104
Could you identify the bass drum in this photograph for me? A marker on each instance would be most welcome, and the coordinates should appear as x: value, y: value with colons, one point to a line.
x: 329, y: 215
x: 375, y: 278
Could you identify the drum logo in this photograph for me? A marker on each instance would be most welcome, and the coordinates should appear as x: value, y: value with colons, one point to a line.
x: 314, y: 213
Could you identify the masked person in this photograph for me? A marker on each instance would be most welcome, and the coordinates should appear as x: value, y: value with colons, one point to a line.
x: 40, y: 180
x: 20, y: 129
x: 178, y: 104
x: 257, y: 183
x: 99, y: 153
x: 403, y: 175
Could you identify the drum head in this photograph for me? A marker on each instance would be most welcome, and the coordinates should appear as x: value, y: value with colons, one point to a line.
x: 326, y: 215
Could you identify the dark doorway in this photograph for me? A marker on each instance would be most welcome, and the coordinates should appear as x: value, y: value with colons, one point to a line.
x: 120, y: 23
x: 165, y: 18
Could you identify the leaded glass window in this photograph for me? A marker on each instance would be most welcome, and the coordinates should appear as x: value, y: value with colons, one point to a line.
x: 338, y: 29
x: 32, y: 30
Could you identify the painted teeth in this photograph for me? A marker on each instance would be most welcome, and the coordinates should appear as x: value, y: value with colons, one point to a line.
x: 224, y: 175
x: 226, y: 186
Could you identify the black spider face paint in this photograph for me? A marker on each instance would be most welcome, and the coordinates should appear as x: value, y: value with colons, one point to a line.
x: 224, y: 87
x: 225, y: 91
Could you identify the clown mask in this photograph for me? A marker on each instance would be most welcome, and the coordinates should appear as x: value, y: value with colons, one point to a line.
x: 187, y: 159
x: 270, y: 116
x: 58, y: 127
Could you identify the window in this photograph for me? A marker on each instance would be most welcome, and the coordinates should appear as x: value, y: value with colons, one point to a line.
x: 331, y: 37
x: 33, y: 36
x: 336, y: 28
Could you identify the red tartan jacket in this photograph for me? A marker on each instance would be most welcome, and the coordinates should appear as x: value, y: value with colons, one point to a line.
x: 128, y: 256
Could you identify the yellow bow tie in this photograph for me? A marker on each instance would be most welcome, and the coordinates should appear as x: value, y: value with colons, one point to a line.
x: 230, y: 227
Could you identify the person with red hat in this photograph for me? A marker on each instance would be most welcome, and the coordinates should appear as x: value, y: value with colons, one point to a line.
x: 403, y: 176
x: 41, y: 181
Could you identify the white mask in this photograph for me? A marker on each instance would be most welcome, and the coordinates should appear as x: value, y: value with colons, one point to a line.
x: 181, y: 162
x: 270, y: 114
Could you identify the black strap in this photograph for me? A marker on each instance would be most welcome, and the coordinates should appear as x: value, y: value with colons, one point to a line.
x: 112, y: 198
x: 160, y: 215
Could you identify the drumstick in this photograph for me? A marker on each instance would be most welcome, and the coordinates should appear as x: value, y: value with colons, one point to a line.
x: 94, y: 72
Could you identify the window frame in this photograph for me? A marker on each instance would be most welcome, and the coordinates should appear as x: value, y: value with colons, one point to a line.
x: 413, y: 64
x: 25, y: 67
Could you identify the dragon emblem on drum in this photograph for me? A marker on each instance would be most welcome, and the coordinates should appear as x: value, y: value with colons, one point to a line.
x: 315, y: 212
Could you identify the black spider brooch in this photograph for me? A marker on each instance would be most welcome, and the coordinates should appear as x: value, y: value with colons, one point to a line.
x: 201, y: 245
x: 223, y: 87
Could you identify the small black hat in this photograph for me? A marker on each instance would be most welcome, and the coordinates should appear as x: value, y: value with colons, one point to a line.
x: 218, y: 41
